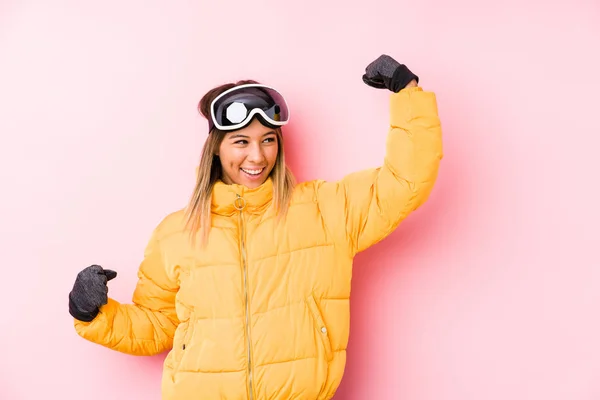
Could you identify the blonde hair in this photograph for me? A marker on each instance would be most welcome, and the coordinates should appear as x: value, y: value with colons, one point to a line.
x: 198, y: 212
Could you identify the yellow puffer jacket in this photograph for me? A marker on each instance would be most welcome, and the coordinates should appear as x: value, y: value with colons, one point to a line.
x: 263, y: 312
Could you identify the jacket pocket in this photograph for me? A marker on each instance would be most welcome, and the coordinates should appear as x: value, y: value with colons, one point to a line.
x: 320, y: 326
x: 183, y: 345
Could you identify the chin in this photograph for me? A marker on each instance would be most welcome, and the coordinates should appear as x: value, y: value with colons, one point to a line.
x: 253, y: 181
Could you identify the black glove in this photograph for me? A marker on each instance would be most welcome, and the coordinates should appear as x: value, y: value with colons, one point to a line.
x: 387, y: 73
x: 90, y: 292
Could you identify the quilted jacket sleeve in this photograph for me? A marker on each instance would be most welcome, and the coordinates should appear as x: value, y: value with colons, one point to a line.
x: 147, y: 326
x: 366, y: 206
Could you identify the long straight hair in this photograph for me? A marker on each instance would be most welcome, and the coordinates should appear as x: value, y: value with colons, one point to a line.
x: 198, y: 211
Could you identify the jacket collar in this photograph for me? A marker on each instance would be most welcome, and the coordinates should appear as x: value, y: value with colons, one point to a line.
x: 229, y: 199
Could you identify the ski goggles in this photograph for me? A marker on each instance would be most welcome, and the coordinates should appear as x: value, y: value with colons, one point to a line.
x: 235, y: 108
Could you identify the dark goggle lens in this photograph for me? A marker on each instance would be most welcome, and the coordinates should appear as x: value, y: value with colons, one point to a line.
x: 235, y: 107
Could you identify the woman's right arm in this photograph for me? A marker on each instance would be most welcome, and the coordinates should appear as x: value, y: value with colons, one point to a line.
x: 147, y: 326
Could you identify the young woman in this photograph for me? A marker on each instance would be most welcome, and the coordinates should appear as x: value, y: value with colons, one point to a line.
x: 248, y: 287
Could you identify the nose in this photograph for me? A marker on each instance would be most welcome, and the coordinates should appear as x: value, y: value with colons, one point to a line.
x: 255, y: 154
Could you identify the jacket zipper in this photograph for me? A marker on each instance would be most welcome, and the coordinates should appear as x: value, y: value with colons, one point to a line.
x: 240, y: 204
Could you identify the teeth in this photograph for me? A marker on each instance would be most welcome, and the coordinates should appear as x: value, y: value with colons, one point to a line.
x: 252, y: 171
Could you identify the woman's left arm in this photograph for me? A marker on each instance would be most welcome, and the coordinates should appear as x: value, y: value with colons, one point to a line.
x: 368, y: 205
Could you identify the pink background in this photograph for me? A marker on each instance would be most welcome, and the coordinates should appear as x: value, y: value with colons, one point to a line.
x: 490, y: 291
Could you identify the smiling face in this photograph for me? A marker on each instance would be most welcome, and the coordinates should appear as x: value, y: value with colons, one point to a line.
x: 248, y: 155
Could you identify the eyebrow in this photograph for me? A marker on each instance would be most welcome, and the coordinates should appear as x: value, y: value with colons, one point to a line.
x: 239, y: 135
